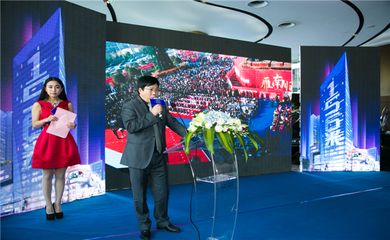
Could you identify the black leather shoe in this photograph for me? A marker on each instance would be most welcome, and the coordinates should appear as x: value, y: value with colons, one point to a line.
x: 145, y: 235
x: 49, y: 216
x: 58, y: 215
x: 170, y: 228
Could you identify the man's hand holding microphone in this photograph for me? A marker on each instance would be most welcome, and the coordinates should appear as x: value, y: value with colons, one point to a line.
x: 157, y: 106
x: 157, y: 110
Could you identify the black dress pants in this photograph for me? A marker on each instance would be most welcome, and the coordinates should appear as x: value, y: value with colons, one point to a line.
x: 155, y: 174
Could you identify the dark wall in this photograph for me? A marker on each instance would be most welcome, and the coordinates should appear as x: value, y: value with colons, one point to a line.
x: 135, y: 34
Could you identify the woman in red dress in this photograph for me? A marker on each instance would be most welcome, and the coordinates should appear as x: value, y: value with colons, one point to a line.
x: 53, y: 154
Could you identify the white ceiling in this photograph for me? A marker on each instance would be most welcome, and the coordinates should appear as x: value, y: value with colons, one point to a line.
x: 318, y: 23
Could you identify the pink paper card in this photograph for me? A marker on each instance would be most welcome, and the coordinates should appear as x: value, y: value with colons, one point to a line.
x: 59, y: 127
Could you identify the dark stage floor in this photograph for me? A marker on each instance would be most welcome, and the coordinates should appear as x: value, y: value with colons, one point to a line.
x: 293, y: 205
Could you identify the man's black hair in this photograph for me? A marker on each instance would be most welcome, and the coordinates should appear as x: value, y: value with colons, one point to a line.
x: 147, y: 81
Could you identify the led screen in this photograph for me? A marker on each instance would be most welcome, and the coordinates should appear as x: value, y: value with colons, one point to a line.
x: 258, y: 91
x: 339, y: 131
x: 39, y: 52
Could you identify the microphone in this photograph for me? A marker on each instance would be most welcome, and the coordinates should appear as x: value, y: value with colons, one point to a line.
x: 150, y: 109
x: 155, y: 101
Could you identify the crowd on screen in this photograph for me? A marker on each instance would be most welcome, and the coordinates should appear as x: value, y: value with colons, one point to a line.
x: 193, y: 87
x: 202, y: 86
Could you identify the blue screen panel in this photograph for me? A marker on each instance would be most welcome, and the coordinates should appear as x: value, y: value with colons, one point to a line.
x: 328, y: 140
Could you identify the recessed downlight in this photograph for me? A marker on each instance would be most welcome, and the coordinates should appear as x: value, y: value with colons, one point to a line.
x: 286, y: 25
x: 258, y: 4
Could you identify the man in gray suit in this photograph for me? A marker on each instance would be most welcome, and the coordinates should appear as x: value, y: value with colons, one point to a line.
x: 143, y: 154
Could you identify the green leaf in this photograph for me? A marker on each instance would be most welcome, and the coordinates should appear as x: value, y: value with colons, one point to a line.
x: 230, y: 138
x: 253, y: 140
x: 209, y: 139
x: 224, y: 139
x: 187, y: 140
x: 241, y: 140
x: 258, y: 138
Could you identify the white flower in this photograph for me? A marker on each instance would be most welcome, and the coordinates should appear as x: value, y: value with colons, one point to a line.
x: 220, y: 121
x: 192, y: 128
x: 218, y: 128
x: 237, y: 121
x: 208, y: 125
x: 196, y: 124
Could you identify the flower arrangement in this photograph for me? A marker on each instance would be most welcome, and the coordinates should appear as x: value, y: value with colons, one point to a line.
x: 222, y: 125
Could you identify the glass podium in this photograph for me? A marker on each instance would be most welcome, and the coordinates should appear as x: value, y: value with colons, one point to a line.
x: 214, y: 198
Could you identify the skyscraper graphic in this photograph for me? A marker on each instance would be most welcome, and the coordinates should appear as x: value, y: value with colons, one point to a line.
x: 336, y: 138
x: 41, y: 57
x: 6, y: 148
x: 314, y: 141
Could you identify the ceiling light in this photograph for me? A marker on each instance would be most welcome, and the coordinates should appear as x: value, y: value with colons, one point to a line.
x: 287, y: 25
x: 258, y: 4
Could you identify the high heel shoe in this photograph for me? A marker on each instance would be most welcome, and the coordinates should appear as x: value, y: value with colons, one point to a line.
x: 58, y: 215
x: 49, y: 216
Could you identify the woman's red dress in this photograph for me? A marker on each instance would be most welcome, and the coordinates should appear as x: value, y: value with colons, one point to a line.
x: 51, y: 151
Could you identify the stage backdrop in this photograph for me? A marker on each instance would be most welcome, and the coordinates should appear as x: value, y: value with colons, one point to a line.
x: 340, y: 109
x: 42, y: 39
x: 198, y: 73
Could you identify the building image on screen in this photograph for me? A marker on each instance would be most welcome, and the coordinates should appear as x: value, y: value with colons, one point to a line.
x: 41, y: 56
x: 255, y: 90
x: 331, y: 139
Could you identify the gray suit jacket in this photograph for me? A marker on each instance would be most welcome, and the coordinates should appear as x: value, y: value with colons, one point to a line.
x: 139, y: 121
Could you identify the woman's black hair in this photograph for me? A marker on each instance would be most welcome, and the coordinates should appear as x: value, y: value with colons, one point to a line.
x: 44, y: 94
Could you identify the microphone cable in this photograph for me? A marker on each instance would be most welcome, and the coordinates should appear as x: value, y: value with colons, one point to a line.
x: 193, y: 189
x: 191, y: 196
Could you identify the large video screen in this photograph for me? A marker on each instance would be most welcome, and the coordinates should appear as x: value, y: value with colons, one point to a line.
x: 340, y: 117
x: 258, y: 91
x: 40, y: 48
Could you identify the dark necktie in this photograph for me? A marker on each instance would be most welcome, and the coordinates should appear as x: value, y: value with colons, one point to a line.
x: 157, y: 135
x: 158, y: 138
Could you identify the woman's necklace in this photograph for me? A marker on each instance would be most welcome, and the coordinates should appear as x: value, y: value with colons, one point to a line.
x: 54, y: 103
